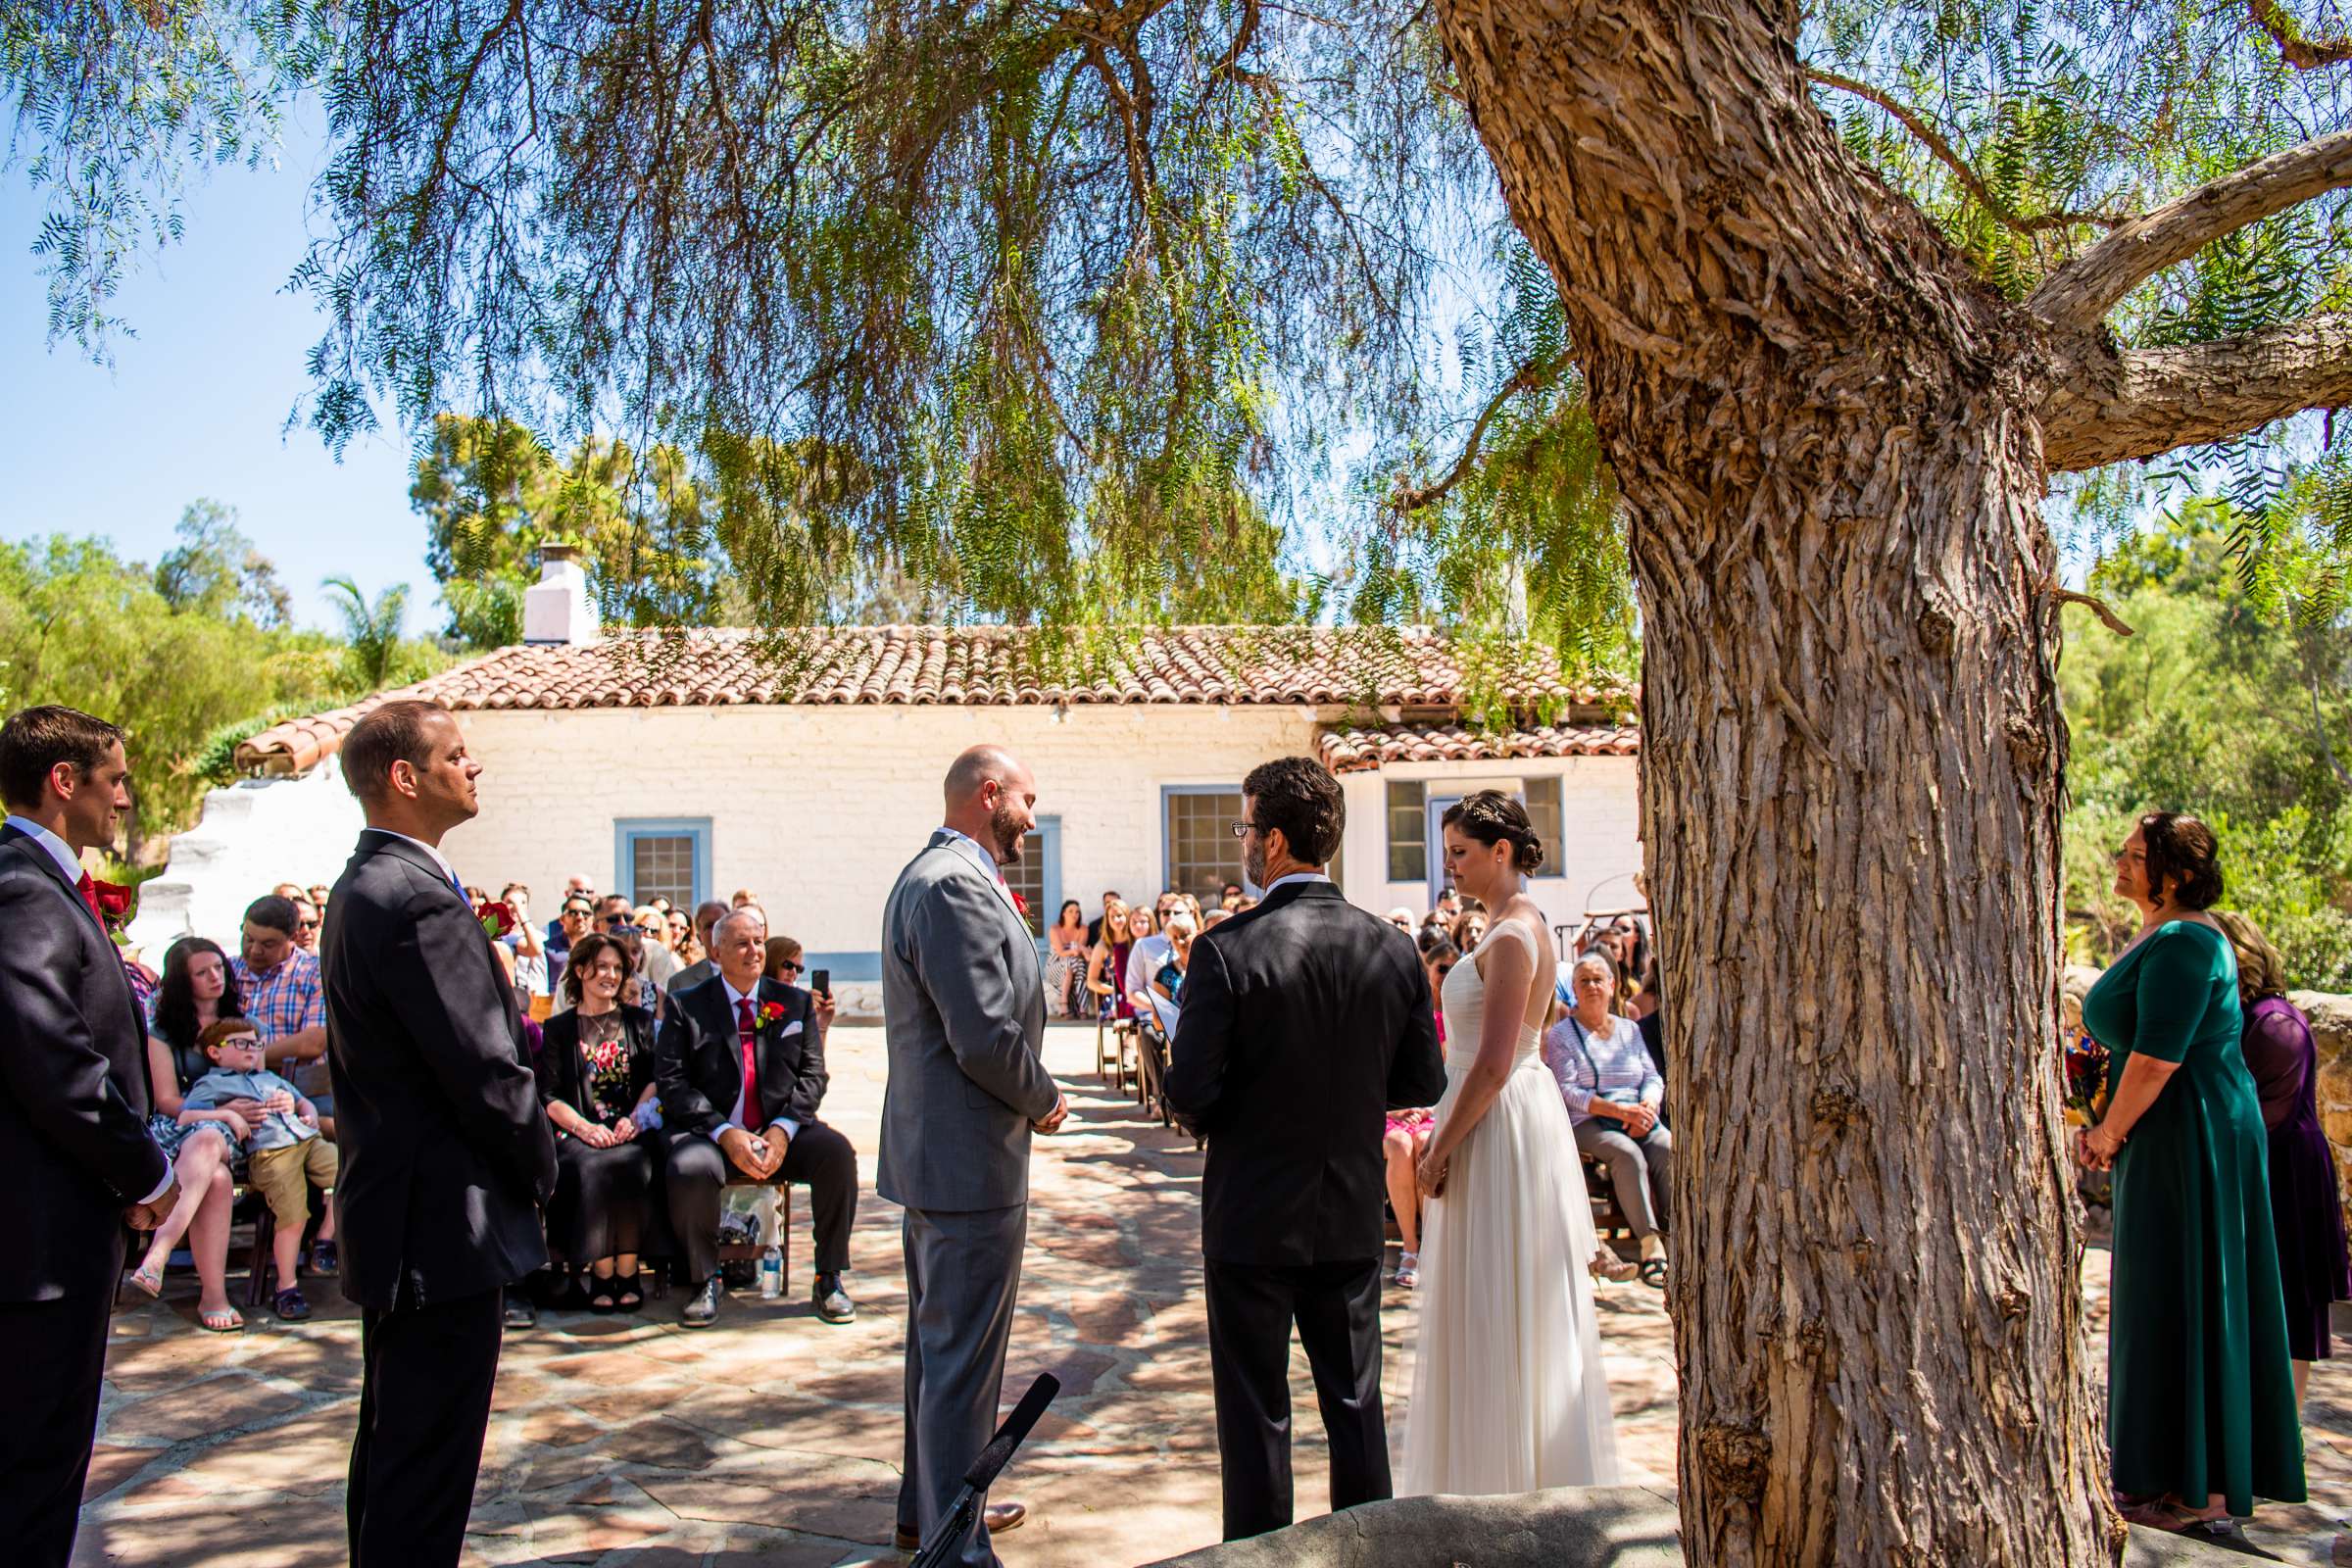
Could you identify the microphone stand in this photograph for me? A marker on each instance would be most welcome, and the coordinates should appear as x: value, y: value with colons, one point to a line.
x: 940, y: 1550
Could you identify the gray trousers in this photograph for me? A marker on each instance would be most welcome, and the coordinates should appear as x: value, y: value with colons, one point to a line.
x: 1639, y: 1168
x: 963, y: 1272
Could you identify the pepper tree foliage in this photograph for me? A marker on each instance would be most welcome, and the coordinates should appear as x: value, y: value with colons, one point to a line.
x: 1059, y: 306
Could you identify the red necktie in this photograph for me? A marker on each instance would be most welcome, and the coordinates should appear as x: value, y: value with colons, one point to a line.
x: 748, y: 1028
x: 88, y: 889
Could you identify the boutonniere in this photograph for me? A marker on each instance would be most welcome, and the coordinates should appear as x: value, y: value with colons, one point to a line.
x: 768, y: 1012
x: 1019, y: 903
x: 497, y: 917
x: 114, y: 908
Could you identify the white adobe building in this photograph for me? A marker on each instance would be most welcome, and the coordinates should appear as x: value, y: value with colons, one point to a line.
x: 693, y: 766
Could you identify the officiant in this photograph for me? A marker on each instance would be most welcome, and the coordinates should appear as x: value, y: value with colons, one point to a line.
x: 740, y: 1072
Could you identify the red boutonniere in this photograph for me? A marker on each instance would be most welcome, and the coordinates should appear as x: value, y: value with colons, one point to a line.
x: 114, y: 907
x: 1019, y: 903
x: 768, y: 1012
x: 497, y: 917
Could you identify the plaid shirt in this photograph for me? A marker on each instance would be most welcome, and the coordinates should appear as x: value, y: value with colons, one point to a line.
x: 286, y: 1001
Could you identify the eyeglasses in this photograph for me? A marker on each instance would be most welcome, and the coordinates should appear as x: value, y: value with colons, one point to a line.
x: 1241, y: 830
x: 306, y: 925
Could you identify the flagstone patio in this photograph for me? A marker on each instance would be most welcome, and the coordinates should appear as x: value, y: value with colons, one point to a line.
x: 774, y: 1438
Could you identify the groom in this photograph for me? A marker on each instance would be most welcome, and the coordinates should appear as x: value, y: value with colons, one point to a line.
x: 964, y: 1005
x: 1304, y: 1020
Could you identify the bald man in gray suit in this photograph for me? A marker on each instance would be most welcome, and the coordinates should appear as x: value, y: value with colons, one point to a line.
x: 965, y: 1008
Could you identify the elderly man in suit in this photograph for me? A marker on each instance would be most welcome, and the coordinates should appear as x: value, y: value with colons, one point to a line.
x: 76, y: 1159
x: 739, y: 1068
x: 447, y: 1157
x: 964, y: 1002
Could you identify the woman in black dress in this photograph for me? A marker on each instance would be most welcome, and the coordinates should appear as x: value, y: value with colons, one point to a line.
x: 596, y: 1079
x: 2305, y: 1209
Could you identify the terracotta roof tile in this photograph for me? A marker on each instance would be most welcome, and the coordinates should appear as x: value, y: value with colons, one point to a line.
x: 1348, y: 751
x: 929, y: 665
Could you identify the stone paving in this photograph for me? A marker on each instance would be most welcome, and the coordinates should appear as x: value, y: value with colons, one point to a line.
x: 774, y: 1438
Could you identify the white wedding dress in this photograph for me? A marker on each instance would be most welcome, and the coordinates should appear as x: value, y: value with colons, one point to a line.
x: 1508, y: 1393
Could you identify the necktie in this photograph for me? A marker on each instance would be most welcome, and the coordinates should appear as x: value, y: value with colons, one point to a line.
x: 88, y: 889
x: 748, y: 1029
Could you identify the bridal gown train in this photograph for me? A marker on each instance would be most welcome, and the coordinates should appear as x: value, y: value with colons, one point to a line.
x: 1508, y: 1393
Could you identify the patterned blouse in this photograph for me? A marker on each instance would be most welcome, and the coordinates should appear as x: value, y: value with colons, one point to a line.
x: 605, y: 1066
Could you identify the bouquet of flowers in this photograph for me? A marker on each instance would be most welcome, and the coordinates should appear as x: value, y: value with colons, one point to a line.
x: 2085, y: 1066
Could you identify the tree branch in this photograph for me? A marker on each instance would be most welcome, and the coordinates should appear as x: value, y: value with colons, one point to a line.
x: 2097, y: 605
x: 2082, y: 291
x: 2300, y: 52
x: 2114, y: 406
x: 1945, y: 154
x: 1532, y: 377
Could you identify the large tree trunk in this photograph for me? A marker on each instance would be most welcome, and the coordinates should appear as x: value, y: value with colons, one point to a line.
x: 1851, y: 763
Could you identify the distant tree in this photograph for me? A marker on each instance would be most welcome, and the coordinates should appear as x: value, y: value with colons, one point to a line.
x: 373, y: 630
x: 215, y: 571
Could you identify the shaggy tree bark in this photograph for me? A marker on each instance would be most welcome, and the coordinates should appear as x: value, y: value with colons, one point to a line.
x: 1831, y: 443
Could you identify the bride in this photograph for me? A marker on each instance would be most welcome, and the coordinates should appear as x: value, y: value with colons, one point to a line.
x: 1508, y: 1392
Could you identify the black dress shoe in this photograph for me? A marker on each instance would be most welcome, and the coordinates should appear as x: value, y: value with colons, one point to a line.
x: 999, y: 1516
x: 702, y: 1310
x: 833, y: 1304
x: 521, y: 1313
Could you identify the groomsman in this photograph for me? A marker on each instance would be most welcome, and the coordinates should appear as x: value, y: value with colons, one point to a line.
x: 1304, y: 1019
x: 75, y: 1156
x: 447, y: 1157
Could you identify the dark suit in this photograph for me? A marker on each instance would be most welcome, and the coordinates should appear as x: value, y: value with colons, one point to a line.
x: 446, y: 1161
x: 1305, y: 1022
x: 697, y: 1069
x: 74, y: 1154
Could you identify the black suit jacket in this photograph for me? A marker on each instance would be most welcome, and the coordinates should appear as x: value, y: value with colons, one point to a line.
x: 447, y: 1157
x: 1304, y: 1020
x: 699, y: 1064
x: 560, y: 1074
x: 73, y: 1099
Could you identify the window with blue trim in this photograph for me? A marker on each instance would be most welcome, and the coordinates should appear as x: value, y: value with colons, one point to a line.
x: 665, y: 857
x: 1200, y: 854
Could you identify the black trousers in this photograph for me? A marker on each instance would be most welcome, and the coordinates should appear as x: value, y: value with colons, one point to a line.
x: 1251, y: 1309
x: 818, y: 1158
x: 604, y: 1199
x: 56, y: 1358
x: 426, y: 1373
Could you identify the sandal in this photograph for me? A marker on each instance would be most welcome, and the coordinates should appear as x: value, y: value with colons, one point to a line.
x: 289, y: 1305
x: 631, y: 1295
x: 324, y: 1257
x: 1653, y: 1273
x: 600, y: 1294
x: 1408, y: 1272
x: 149, y: 1278
x: 220, y: 1320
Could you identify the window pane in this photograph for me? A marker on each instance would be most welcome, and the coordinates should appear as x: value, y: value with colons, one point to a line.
x: 1202, y: 853
x: 661, y: 865
x: 1543, y: 812
x: 1408, y: 831
x: 1027, y: 877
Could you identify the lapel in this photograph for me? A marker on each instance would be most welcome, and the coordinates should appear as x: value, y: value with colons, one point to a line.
x: 40, y: 857
x: 940, y: 840
x: 376, y: 841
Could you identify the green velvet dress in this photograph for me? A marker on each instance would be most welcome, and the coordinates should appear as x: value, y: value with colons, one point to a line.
x: 2201, y: 1396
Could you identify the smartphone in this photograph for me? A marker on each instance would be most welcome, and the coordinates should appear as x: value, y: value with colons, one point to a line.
x: 820, y: 981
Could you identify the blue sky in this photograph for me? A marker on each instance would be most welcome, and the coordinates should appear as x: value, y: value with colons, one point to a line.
x: 197, y: 403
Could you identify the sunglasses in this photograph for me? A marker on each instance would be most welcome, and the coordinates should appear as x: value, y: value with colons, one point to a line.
x: 306, y: 925
x: 1445, y: 969
x: 788, y: 968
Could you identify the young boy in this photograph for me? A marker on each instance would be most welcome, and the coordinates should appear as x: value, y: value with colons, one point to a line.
x: 287, y: 1153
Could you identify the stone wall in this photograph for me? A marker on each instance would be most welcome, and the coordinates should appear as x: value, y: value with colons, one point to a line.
x: 2330, y: 1018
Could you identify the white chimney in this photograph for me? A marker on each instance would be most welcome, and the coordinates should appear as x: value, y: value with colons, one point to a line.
x: 558, y: 608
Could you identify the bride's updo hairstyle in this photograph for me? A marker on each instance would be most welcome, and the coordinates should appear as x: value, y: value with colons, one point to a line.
x: 1492, y: 817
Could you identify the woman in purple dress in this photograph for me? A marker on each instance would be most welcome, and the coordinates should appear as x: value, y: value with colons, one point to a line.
x: 2305, y: 1206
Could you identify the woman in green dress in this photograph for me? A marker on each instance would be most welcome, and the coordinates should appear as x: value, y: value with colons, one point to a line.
x: 2202, y: 1414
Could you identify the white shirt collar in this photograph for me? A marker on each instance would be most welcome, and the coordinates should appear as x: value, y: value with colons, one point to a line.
x: 1297, y: 876
x: 439, y: 860
x: 58, y: 849
x: 974, y: 849
x: 735, y: 997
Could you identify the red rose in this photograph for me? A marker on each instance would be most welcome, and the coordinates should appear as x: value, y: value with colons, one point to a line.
x: 769, y: 1012
x: 114, y: 900
x: 1018, y: 902
x: 497, y: 917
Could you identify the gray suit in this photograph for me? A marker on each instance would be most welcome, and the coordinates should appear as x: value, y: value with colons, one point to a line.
x: 964, y: 1005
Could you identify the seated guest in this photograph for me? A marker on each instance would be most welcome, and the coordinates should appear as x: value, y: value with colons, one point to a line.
x: 681, y: 940
x: 574, y: 920
x: 596, y: 1082
x: 1147, y: 950
x: 706, y: 914
x: 1402, y: 919
x: 197, y: 991
x: 1107, y: 961
x: 782, y: 961
x: 1407, y: 1132
x: 306, y: 924
x: 1065, y: 961
x: 1110, y: 902
x: 287, y: 1155
x: 279, y: 983
x: 1167, y: 985
x: 1613, y: 1091
x: 740, y: 1070
x: 530, y: 952
x: 1469, y: 929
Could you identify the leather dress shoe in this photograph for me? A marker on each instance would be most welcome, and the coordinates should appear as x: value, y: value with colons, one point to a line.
x: 833, y: 1304
x: 521, y: 1313
x: 703, y: 1309
x: 1000, y: 1517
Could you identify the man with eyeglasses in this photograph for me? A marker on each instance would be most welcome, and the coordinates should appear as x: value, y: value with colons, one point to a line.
x: 306, y: 925
x: 279, y: 982
x: 571, y: 923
